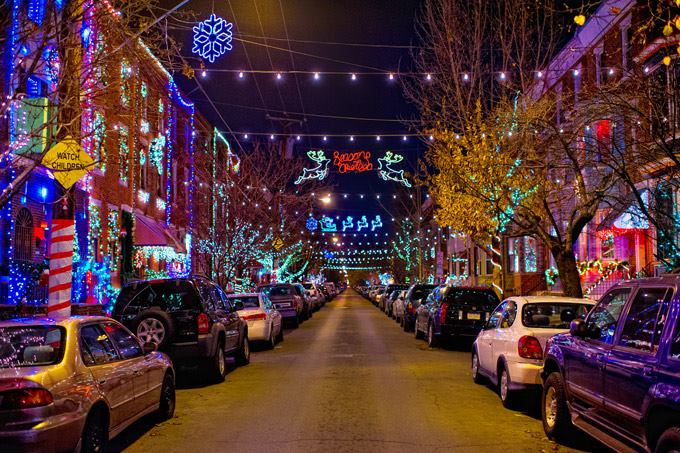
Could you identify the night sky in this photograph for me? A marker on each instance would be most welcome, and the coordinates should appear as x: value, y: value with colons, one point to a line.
x: 246, y: 104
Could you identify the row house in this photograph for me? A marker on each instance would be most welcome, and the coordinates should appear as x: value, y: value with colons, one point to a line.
x: 140, y: 211
x: 618, y: 243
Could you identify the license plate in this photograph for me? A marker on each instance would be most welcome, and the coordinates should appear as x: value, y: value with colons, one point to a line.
x: 475, y: 316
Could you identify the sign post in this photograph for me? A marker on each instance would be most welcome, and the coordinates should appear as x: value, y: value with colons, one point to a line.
x: 68, y: 162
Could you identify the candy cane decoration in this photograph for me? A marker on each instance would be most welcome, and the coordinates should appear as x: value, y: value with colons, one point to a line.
x: 61, y: 268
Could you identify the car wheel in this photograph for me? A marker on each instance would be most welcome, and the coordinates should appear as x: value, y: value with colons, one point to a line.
x: 95, y: 433
x: 166, y: 409
x: 154, y: 327
x: 507, y: 395
x: 416, y: 331
x: 271, y: 343
x: 476, y: 375
x: 403, y: 324
x: 554, y: 411
x: 279, y: 337
x: 217, y: 367
x: 431, y: 339
x: 669, y: 442
x: 243, y: 356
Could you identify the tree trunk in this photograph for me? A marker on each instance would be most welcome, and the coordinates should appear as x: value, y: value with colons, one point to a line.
x: 567, y: 271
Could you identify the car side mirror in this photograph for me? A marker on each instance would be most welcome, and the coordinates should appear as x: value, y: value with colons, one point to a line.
x: 238, y: 306
x: 579, y: 328
x: 149, y: 347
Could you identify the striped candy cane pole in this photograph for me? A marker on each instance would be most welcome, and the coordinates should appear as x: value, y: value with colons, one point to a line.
x: 61, y: 268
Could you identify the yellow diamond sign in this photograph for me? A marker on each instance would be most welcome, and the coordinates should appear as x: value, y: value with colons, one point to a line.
x: 68, y: 162
x: 277, y: 243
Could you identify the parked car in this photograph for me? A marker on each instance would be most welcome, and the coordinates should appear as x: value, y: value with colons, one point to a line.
x: 415, y: 295
x: 324, y: 292
x: 374, y: 291
x: 331, y: 289
x: 398, y: 305
x: 509, y: 350
x: 288, y: 299
x: 76, y: 383
x: 264, y: 321
x: 314, y: 294
x: 616, y: 375
x: 381, y: 297
x: 188, y: 318
x: 454, y: 312
x: 391, y: 297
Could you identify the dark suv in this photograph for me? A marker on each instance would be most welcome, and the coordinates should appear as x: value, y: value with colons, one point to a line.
x: 454, y: 312
x: 188, y: 318
x: 289, y: 300
x: 616, y: 375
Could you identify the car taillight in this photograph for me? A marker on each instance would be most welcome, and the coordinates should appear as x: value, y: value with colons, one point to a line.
x: 254, y: 316
x: 25, y: 398
x: 203, y: 324
x: 529, y: 347
x: 409, y: 307
x: 442, y: 314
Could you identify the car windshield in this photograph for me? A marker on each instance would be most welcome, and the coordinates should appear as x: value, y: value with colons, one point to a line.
x: 23, y: 346
x: 544, y: 315
x: 277, y: 290
x: 421, y: 292
x: 248, y: 302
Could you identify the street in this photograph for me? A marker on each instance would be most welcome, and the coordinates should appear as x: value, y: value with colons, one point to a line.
x: 347, y: 380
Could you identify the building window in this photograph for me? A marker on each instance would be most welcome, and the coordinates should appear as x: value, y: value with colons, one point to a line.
x: 488, y: 263
x: 23, y: 236
x: 530, y: 261
x: 123, y: 153
x: 514, y: 245
x: 607, y: 245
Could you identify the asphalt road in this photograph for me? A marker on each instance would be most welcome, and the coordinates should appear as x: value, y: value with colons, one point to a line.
x: 348, y: 380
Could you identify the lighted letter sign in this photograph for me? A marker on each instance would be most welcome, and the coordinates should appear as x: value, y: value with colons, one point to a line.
x: 389, y: 174
x: 212, y: 38
x: 359, y: 161
x: 319, y: 172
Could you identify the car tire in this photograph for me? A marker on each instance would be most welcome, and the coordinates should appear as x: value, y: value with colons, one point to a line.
x: 404, y: 326
x: 154, y: 326
x: 417, y: 333
x: 95, y: 436
x: 271, y: 343
x: 279, y: 337
x: 431, y: 340
x: 216, y: 364
x: 669, y: 441
x: 477, y: 377
x: 166, y: 408
x: 243, y: 354
x: 504, y: 383
x: 554, y: 411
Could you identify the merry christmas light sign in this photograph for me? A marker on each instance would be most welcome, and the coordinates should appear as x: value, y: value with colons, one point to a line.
x: 357, y: 162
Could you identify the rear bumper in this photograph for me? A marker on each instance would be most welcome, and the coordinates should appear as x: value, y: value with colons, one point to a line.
x: 52, y: 435
x: 453, y: 331
x: 524, y: 374
x: 287, y: 313
x: 257, y: 330
x: 203, y: 347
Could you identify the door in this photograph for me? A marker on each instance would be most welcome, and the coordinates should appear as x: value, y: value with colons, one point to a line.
x: 631, y: 366
x: 272, y: 314
x: 229, y: 318
x: 584, y: 358
x: 485, y: 339
x: 114, y: 377
x: 503, y: 341
x: 148, y: 373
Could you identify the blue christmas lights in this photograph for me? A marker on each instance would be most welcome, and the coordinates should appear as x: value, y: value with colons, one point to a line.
x: 212, y: 38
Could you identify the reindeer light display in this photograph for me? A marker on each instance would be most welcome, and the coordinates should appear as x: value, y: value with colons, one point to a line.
x: 319, y: 172
x: 387, y: 173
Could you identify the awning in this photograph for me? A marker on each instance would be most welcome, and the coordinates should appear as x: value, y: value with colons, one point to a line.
x: 173, y: 241
x: 626, y: 215
x: 149, y: 233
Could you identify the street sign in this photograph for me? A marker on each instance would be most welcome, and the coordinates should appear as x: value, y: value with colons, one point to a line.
x: 68, y: 161
x: 277, y: 243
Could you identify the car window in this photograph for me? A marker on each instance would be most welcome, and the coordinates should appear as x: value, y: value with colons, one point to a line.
x: 96, y: 345
x: 216, y: 296
x: 170, y: 295
x: 247, y: 301
x: 277, y: 290
x: 606, y: 313
x: 645, y: 319
x: 509, y: 314
x: 267, y: 303
x: 546, y: 315
x: 127, y: 344
x: 24, y: 346
x: 496, y: 316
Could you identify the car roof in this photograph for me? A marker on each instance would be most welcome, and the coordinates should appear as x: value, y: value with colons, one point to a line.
x: 550, y: 300
x: 233, y: 295
x: 666, y: 279
x: 46, y: 322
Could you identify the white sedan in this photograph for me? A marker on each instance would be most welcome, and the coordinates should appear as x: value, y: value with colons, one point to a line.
x: 509, y: 350
x: 264, y: 321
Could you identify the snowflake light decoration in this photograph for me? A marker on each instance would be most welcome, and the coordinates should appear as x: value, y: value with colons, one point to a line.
x: 312, y: 224
x: 212, y: 38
